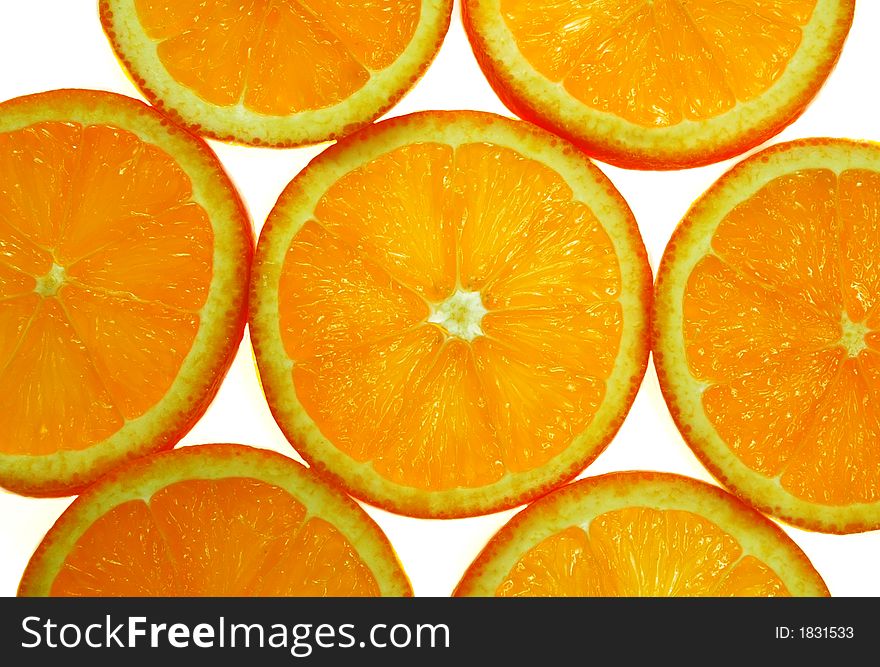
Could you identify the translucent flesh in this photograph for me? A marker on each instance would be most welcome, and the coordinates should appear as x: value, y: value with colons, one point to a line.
x: 224, y: 537
x: 659, y: 62
x: 768, y: 318
x: 426, y: 409
x: 277, y: 57
x: 102, y: 343
x: 641, y: 552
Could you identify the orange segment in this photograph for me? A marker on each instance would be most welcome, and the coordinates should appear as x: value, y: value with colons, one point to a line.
x: 177, y: 244
x: 247, y: 52
x: 207, y: 55
x: 640, y: 552
x: 640, y: 534
x: 497, y: 195
x: 662, y: 84
x: 380, y: 225
x: 115, y: 194
x: 763, y: 410
x: 536, y: 406
x: 837, y: 460
x: 320, y: 562
x: 121, y: 285
x: 460, y: 298
x: 751, y: 578
x: 14, y: 283
x: 122, y: 543
x: 16, y: 316
x: 122, y: 334
x: 320, y: 72
x: 444, y: 438
x: 51, y: 386
x: 858, y: 209
x: 220, y: 534
x: 570, y: 261
x: 736, y: 322
x: 36, y: 165
x: 786, y: 237
x: 365, y: 29
x: 377, y: 372
x: 18, y: 253
x: 660, y: 553
x: 339, y: 298
x: 217, y: 520
x: 767, y: 328
x: 275, y: 72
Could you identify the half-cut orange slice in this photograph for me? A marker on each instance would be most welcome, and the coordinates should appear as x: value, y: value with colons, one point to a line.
x: 215, y: 520
x: 124, y: 259
x: 640, y: 534
x: 659, y: 84
x: 449, y: 313
x: 275, y: 72
x: 767, y: 321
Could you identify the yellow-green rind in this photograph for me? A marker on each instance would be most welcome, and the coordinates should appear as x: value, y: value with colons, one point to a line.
x: 295, y: 207
x: 137, y: 54
x: 689, y: 243
x: 579, y: 503
x: 143, y: 478
x: 615, y: 140
x: 222, y: 317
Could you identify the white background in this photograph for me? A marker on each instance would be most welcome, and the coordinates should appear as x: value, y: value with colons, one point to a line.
x: 46, y: 44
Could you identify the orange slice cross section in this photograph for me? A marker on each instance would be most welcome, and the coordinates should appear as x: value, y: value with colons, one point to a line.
x: 210, y: 521
x: 640, y: 534
x: 449, y: 313
x: 766, y: 325
x: 123, y: 258
x: 662, y: 84
x: 277, y: 72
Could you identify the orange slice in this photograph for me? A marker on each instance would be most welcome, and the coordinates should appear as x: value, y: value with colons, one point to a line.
x: 449, y: 313
x: 767, y: 341
x: 214, y: 521
x: 663, y: 84
x: 275, y: 72
x: 124, y: 260
x: 640, y: 534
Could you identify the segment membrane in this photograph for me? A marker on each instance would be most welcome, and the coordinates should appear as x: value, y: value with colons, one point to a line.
x: 277, y: 58
x: 641, y: 552
x: 223, y: 537
x: 662, y: 62
x: 53, y: 390
x: 370, y: 210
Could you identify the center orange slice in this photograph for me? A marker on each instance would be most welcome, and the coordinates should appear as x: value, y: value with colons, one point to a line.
x: 124, y: 259
x: 215, y: 520
x: 275, y: 72
x: 658, y: 84
x: 449, y: 313
x: 768, y: 332
x: 640, y: 534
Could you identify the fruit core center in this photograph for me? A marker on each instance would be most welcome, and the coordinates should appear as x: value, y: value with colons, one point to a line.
x: 49, y: 284
x: 460, y: 314
x: 853, y: 337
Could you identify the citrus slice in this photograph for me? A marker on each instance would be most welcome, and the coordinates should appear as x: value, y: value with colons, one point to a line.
x: 664, y: 84
x: 767, y: 342
x: 275, y: 72
x: 214, y: 521
x: 124, y: 260
x: 449, y: 313
x: 640, y: 534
